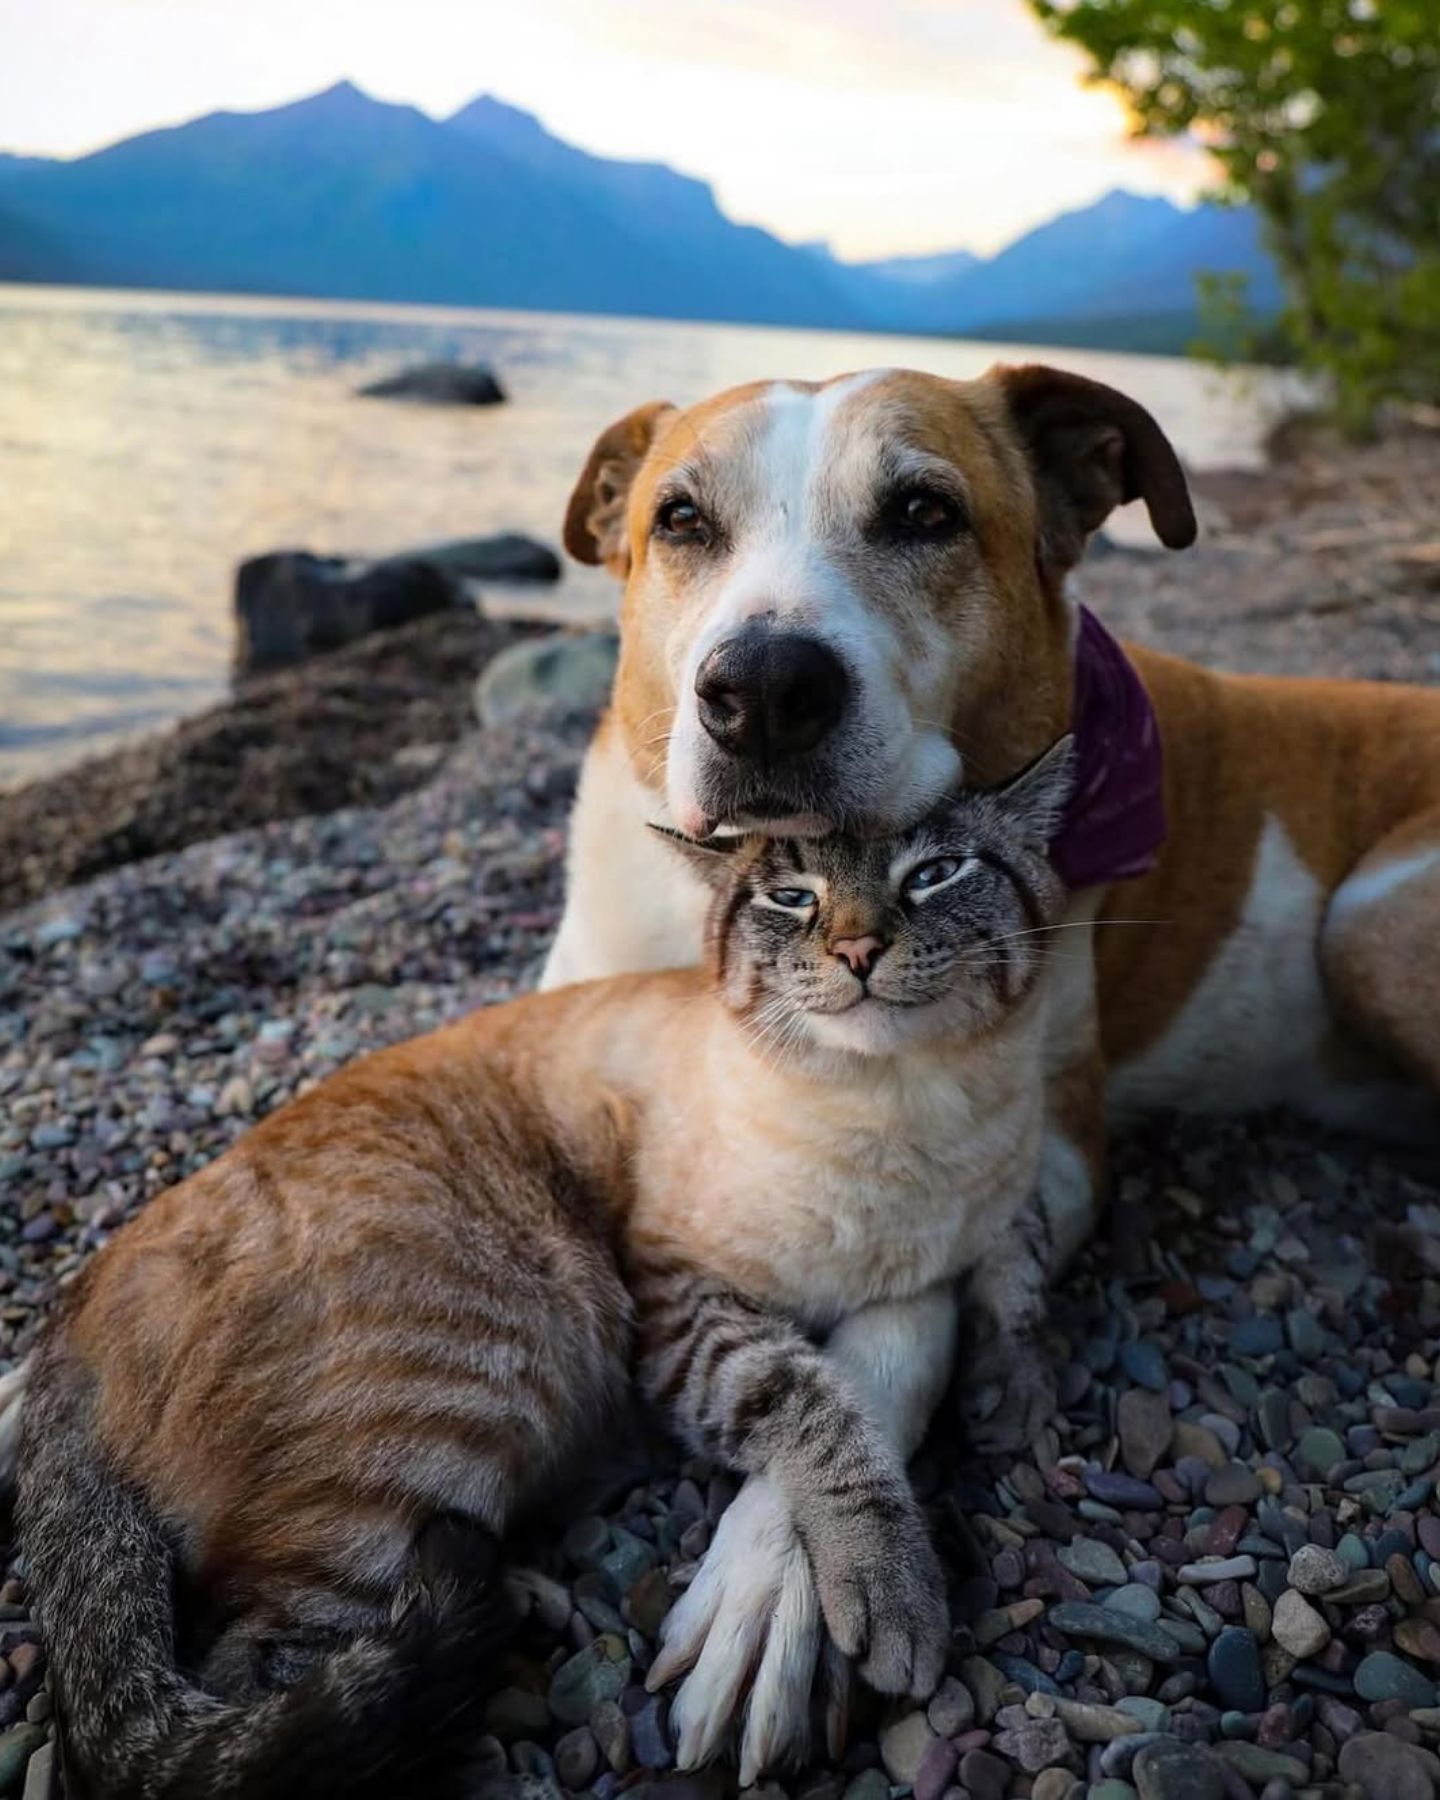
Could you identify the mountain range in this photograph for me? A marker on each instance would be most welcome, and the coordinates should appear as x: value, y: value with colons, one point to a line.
x: 344, y: 196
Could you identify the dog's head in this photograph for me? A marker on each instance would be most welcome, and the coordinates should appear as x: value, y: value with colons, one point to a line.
x: 836, y: 595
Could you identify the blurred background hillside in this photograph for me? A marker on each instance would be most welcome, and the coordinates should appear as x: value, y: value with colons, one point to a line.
x: 347, y: 196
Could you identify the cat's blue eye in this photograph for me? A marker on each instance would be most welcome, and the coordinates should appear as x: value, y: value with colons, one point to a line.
x: 791, y: 899
x: 931, y: 875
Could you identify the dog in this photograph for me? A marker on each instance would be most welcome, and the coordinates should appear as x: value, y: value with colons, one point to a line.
x: 840, y: 598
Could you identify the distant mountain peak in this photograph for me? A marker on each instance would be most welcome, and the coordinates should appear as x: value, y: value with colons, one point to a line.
x: 1126, y: 201
x: 498, y: 120
x: 340, y: 97
x: 488, y: 207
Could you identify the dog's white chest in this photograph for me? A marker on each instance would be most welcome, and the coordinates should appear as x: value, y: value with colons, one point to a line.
x: 1251, y: 1033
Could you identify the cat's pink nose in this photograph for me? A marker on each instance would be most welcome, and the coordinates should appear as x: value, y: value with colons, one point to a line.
x: 859, y: 954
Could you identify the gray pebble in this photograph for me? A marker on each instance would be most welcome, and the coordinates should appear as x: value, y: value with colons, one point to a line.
x: 1171, y: 1770
x: 1076, y: 1618
x: 596, y: 1673
x: 1216, y: 1568
x: 577, y: 1757
x: 1144, y: 1362
x: 649, y: 1736
x: 612, y: 1734
x: 1140, y: 1601
x: 1092, y: 1562
x: 1037, y: 1744
x: 1382, y: 1676
x: 937, y: 1770
x: 586, y: 1542
x: 1257, y: 1764
x: 1260, y: 1336
x: 1145, y: 1427
x: 1233, y: 1485
x: 1151, y: 1715
x: 903, y: 1744
x: 1112, y: 1488
x: 1314, y: 1570
x: 1297, y: 1627
x: 1319, y: 1449
x: 952, y: 1709
x: 1380, y: 1764
x: 1234, y: 1665
x: 16, y: 1748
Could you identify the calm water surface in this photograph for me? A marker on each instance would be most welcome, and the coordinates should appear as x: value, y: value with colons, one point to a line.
x: 149, y: 442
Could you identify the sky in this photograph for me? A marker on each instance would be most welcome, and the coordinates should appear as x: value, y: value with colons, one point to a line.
x: 883, y: 127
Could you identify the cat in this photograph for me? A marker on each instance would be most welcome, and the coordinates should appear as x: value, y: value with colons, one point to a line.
x: 279, y: 1425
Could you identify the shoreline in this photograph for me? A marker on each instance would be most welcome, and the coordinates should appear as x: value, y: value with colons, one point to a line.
x: 1327, y: 562
x: 359, y: 726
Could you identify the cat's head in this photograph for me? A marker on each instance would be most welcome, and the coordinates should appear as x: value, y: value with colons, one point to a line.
x: 865, y: 944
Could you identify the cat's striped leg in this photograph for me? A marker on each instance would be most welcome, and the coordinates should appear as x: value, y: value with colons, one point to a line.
x: 751, y: 1615
x: 1005, y: 1381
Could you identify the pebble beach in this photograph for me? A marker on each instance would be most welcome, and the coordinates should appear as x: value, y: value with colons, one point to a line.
x: 1216, y: 1576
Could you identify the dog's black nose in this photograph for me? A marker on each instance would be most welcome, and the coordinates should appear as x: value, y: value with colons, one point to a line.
x: 765, y: 694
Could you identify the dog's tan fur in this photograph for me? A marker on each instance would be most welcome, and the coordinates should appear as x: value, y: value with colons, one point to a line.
x: 1346, y: 771
x: 1284, y: 948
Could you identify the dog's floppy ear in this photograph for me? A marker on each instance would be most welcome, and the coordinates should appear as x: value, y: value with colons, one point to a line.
x: 595, y: 517
x: 1092, y: 448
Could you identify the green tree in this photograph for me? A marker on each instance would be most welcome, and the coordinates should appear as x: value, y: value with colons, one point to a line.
x: 1326, y: 115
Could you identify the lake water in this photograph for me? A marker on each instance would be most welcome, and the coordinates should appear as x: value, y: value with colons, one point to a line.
x: 149, y: 442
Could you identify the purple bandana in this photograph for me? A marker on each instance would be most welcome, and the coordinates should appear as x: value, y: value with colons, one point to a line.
x: 1115, y: 822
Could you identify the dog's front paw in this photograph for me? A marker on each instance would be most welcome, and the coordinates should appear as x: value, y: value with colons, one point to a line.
x: 1007, y: 1392
x: 749, y: 1619
x: 882, y: 1592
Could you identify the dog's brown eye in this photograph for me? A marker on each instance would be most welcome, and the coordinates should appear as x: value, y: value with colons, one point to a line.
x: 681, y: 520
x: 924, y: 513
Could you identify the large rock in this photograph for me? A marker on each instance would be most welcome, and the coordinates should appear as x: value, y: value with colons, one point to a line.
x: 291, y: 604
x: 507, y: 556
x: 357, y: 728
x: 568, y: 672
x: 439, y: 383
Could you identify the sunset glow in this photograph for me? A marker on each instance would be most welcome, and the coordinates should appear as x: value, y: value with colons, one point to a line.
x: 924, y: 125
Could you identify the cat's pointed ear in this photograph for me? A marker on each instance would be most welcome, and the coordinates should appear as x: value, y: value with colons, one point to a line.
x: 1037, y: 797
x: 711, y: 858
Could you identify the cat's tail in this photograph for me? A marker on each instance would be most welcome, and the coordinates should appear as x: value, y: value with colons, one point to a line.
x: 389, y: 1714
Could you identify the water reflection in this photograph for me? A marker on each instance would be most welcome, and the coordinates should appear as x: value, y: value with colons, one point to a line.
x: 149, y: 442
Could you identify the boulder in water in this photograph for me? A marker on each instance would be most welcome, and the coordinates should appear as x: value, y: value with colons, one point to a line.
x: 507, y: 556
x: 291, y: 605
x: 439, y: 384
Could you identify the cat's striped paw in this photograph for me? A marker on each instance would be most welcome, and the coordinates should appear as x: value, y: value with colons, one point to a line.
x: 1009, y: 1394
x: 750, y: 1617
x: 882, y: 1592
